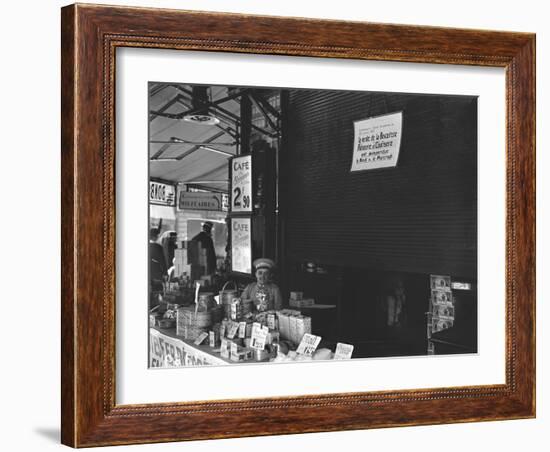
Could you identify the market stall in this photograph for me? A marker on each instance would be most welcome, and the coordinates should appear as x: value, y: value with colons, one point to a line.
x: 228, y: 329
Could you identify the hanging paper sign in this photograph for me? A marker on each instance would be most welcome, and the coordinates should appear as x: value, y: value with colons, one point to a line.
x: 241, y: 245
x: 343, y: 351
x: 241, y: 184
x: 461, y: 286
x: 259, y: 336
x: 189, y: 200
x: 162, y: 194
x: 376, y: 142
x: 308, y: 344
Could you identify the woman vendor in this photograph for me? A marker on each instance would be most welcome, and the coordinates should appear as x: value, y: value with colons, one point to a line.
x: 265, y: 294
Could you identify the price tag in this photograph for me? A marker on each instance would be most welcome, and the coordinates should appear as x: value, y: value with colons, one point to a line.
x: 308, y: 344
x: 235, y: 309
x: 233, y: 328
x: 343, y: 351
x: 259, y: 336
x: 199, y: 340
x: 242, y: 330
x: 271, y: 319
x: 212, y: 339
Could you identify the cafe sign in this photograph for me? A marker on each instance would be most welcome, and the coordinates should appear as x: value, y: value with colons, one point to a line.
x: 376, y: 142
x: 241, y: 245
x: 199, y: 201
x: 162, y: 194
x: 241, y: 184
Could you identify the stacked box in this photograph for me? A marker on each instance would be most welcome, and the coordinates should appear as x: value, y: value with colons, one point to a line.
x: 283, y: 317
x: 303, y: 326
x: 236, y: 309
x: 284, y: 327
x: 303, y: 303
x: 213, y: 338
x: 225, y: 348
x: 295, y: 296
x: 272, y: 321
x: 292, y: 332
x: 243, y: 354
x: 180, y: 262
x: 242, y: 330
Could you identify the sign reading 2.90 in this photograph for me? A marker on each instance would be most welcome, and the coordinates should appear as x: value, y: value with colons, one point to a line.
x: 241, y: 184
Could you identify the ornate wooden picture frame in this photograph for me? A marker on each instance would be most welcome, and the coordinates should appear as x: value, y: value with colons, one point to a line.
x: 90, y: 37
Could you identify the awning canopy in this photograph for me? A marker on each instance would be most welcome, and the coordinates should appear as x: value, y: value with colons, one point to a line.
x: 191, y: 152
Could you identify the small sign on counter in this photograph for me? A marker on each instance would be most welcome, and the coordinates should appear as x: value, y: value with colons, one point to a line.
x: 308, y: 344
x: 343, y: 351
x: 199, y: 340
x: 233, y: 328
x: 259, y: 336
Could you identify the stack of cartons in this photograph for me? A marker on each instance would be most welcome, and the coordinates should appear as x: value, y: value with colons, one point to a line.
x: 180, y: 261
x: 303, y: 326
x: 187, y: 260
x: 292, y: 328
x: 302, y: 303
x: 293, y: 325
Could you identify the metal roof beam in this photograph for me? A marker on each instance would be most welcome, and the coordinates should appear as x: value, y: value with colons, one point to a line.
x: 263, y: 112
x: 196, y: 148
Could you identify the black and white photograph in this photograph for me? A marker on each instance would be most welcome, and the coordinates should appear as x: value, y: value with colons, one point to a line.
x: 292, y: 224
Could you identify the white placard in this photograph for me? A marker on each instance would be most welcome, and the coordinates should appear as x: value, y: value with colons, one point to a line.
x: 376, y: 142
x: 241, y: 245
x: 189, y: 200
x: 308, y: 344
x: 259, y: 336
x: 241, y: 184
x: 343, y: 351
x: 199, y: 340
x: 162, y: 194
x: 233, y: 328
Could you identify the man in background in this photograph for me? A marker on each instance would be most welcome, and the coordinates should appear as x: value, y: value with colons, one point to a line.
x: 205, y: 239
x: 157, y: 261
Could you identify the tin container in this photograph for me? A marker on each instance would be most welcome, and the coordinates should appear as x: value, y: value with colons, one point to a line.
x: 261, y: 355
x: 226, y: 297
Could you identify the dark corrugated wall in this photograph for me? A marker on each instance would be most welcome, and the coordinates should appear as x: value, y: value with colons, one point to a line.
x: 420, y: 216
